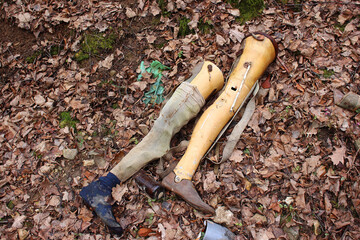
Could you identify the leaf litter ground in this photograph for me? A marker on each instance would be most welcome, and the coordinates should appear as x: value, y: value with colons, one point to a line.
x: 293, y: 175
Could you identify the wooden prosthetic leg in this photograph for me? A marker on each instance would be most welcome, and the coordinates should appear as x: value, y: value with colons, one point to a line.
x: 259, y: 51
x: 184, y: 104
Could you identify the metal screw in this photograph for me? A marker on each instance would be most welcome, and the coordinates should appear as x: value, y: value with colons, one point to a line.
x: 177, y: 179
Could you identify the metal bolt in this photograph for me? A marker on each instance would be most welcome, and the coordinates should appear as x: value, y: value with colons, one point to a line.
x: 177, y: 179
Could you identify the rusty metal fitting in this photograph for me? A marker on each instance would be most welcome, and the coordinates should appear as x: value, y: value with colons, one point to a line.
x: 254, y: 35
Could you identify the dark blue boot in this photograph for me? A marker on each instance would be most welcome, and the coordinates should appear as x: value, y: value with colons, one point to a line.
x: 97, y: 195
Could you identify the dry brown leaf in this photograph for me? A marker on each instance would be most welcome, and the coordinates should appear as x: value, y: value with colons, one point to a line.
x: 130, y: 13
x: 222, y: 215
x: 23, y: 234
x: 154, y: 9
x: 54, y: 201
x: 138, y: 86
x: 237, y: 156
x: 85, y: 214
x: 39, y: 100
x: 310, y: 164
x: 144, y: 232
x: 107, y: 62
x: 210, y: 183
x: 338, y: 155
x: 18, y: 221
x: 258, y: 219
x: 300, y: 199
x: 275, y: 206
x: 235, y: 12
x: 119, y: 191
x: 151, y: 38
x: 220, y: 40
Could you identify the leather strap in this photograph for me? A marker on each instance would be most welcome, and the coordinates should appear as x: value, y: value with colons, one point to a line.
x: 239, y: 128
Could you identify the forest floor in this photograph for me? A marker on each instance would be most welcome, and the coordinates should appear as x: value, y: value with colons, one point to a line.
x: 71, y: 106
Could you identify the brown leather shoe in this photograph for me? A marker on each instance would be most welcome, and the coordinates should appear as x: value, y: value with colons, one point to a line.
x: 186, y: 190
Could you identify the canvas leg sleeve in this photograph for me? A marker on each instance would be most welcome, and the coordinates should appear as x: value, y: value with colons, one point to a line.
x: 183, y: 105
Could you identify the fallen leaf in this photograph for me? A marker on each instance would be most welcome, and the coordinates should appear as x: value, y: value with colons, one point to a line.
x: 138, y: 86
x: 162, y: 230
x: 54, y: 201
x: 24, y: 19
x: 39, y: 100
x: 300, y: 199
x: 222, y: 215
x: 235, y: 12
x: 107, y: 62
x: 130, y: 13
x: 317, y: 229
x: 23, y: 234
x: 275, y: 206
x: 310, y: 164
x: 154, y: 9
x: 338, y: 155
x: 18, y: 221
x: 119, y: 191
x: 258, y: 219
x: 220, y: 40
x: 151, y: 38
x: 210, y: 183
x: 70, y: 153
x: 144, y: 232
x: 327, y: 203
x: 85, y: 214
x: 237, y: 156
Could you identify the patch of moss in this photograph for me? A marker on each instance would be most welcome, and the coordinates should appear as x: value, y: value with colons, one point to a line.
x: 28, y: 225
x: 297, y: 53
x: 10, y: 205
x: 160, y: 43
x: 184, y: 28
x: 162, y: 5
x: 294, y: 5
x: 340, y: 27
x: 33, y: 57
x: 67, y: 121
x: 328, y: 73
x: 45, y: 52
x: 93, y: 44
x: 106, y: 82
x: 55, y: 50
x: 115, y: 106
x: 156, y: 20
x: 249, y: 9
x: 205, y: 26
x: 37, y: 155
x: 180, y: 54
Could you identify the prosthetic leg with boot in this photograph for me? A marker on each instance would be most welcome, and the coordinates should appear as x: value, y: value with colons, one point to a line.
x: 184, y: 104
x: 259, y: 51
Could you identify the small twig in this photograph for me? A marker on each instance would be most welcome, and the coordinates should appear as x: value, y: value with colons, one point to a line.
x: 284, y: 66
x: 354, y: 73
x: 322, y: 225
x: 313, y: 3
x: 352, y: 163
x: 58, y: 188
x: 4, y: 221
x: 279, y: 7
x: 181, y: 228
x: 345, y: 232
